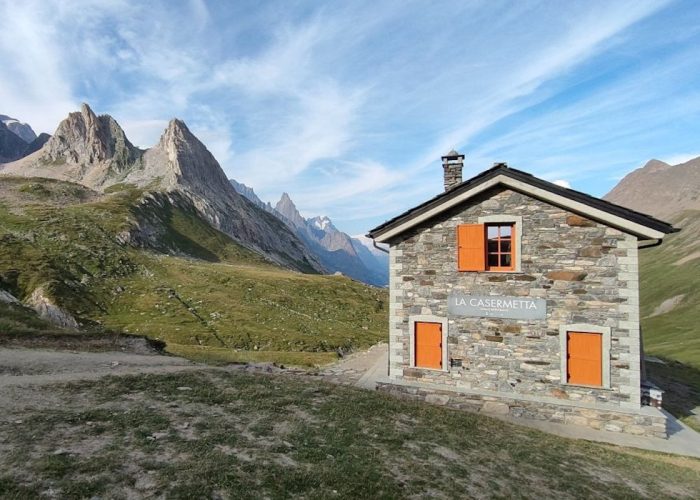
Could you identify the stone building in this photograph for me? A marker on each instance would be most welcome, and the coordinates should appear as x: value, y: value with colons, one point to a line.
x: 513, y: 295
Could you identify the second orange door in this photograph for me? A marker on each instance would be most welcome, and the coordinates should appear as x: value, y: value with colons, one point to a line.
x: 584, y: 358
x: 428, y: 345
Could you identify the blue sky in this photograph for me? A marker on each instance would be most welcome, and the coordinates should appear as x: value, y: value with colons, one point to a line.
x: 348, y: 106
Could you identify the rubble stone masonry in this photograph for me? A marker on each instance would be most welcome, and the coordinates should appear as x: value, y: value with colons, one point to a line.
x: 587, y: 273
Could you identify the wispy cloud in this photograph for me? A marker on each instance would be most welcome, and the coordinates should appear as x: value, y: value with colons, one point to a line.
x: 349, y: 107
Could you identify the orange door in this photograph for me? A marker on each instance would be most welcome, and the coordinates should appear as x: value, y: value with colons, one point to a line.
x: 428, y: 345
x: 584, y: 358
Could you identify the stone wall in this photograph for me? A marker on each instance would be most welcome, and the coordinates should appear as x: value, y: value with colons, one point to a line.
x: 586, y: 271
x: 647, y: 421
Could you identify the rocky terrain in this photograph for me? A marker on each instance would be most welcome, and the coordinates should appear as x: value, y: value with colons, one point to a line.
x: 660, y: 189
x: 336, y: 250
x: 94, y: 151
x: 18, y: 140
x: 23, y: 130
x: 99, y: 236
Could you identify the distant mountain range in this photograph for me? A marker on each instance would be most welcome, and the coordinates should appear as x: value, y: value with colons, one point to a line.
x: 18, y: 140
x: 94, y: 151
x: 23, y: 130
x: 336, y: 250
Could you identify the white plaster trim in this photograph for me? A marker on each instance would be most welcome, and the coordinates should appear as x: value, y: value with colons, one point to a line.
x: 542, y: 194
x: 517, y: 221
x: 412, y: 320
x: 585, y: 328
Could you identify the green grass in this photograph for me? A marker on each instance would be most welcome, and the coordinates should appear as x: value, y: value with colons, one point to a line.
x: 184, y: 283
x: 675, y: 334
x: 668, y: 271
x: 224, y: 355
x: 237, y: 435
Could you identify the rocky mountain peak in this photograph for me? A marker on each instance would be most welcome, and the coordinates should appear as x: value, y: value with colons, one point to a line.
x: 181, y: 156
x: 285, y: 199
x: 288, y: 210
x: 660, y: 189
x: 655, y: 165
x: 11, y: 145
x: 23, y: 130
x: 86, y: 139
x: 93, y: 150
x: 323, y: 223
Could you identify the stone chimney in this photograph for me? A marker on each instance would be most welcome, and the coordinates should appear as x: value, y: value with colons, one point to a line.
x: 452, y: 164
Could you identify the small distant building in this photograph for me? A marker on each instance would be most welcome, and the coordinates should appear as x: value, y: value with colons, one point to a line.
x: 510, y: 294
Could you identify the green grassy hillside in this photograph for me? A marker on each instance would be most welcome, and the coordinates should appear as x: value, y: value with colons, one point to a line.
x: 176, y: 278
x: 668, y: 271
x: 670, y: 309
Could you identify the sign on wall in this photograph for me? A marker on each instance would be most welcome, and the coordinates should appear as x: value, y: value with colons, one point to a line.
x: 497, y: 306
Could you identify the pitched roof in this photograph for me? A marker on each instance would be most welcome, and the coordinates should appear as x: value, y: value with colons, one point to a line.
x: 630, y: 221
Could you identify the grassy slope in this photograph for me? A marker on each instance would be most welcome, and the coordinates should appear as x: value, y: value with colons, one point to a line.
x: 236, y: 435
x: 674, y: 335
x: 223, y: 301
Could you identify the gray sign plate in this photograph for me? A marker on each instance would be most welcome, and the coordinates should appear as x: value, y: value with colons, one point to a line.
x: 497, y: 306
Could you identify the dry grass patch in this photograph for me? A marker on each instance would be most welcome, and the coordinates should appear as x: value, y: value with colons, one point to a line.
x: 242, y: 435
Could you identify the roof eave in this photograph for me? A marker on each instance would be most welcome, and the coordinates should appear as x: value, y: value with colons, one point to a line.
x: 519, y: 181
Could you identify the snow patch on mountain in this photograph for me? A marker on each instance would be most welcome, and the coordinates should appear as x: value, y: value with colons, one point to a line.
x: 23, y: 130
x: 321, y: 223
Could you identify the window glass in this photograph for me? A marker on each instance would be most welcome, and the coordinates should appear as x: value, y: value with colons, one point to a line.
x: 499, y: 246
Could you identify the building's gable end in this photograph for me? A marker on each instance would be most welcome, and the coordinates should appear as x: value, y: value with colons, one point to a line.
x: 639, y: 225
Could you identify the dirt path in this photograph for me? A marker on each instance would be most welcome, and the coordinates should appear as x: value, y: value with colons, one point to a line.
x: 361, y: 369
x: 20, y: 367
x: 23, y: 367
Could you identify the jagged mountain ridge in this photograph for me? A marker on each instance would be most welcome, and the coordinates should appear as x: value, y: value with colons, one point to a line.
x: 94, y: 151
x: 11, y: 145
x: 18, y: 139
x: 23, y: 130
x: 249, y: 193
x: 338, y: 251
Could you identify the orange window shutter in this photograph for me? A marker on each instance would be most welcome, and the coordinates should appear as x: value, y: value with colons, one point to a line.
x: 471, y: 247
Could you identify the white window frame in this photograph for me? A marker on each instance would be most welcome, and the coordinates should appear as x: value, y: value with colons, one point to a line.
x: 425, y: 318
x: 517, y: 222
x: 605, y: 331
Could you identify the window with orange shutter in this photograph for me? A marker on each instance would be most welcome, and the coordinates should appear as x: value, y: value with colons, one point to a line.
x: 486, y: 247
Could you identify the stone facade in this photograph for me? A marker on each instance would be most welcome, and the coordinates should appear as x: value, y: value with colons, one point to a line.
x: 586, y: 271
x: 646, y: 421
